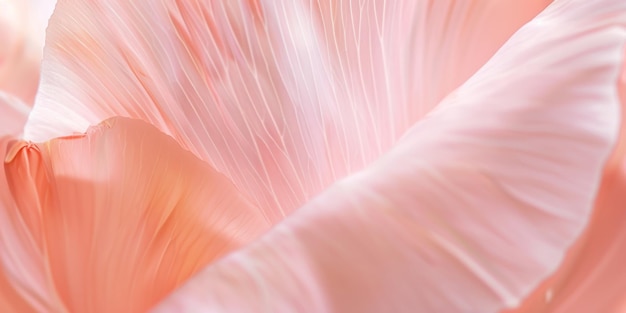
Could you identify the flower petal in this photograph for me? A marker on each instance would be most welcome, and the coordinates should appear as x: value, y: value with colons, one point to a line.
x: 265, y: 91
x: 592, y: 279
x: 13, y: 115
x: 474, y: 206
x: 24, y: 279
x: 121, y: 216
x: 22, y: 36
x: 404, y: 57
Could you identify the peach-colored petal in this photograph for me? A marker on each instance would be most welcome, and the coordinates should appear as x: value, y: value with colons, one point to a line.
x: 24, y: 282
x: 592, y: 278
x: 13, y: 115
x: 475, y: 204
x: 280, y: 96
x: 119, y: 217
x: 22, y: 29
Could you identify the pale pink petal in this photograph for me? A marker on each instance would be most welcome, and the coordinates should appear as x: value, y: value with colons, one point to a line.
x: 284, y: 97
x: 119, y: 217
x: 401, y: 58
x: 592, y: 278
x: 475, y: 204
x: 13, y: 115
x: 22, y: 32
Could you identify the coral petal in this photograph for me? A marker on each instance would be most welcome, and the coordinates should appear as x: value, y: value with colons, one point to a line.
x: 121, y: 215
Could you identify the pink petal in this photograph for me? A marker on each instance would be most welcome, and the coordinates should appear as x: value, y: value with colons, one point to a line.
x: 404, y: 57
x: 115, y: 219
x: 24, y: 279
x: 474, y: 206
x: 22, y: 37
x: 265, y: 91
x: 13, y: 115
x: 592, y: 278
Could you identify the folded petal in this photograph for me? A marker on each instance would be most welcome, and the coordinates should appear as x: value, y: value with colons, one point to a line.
x: 282, y: 97
x: 13, y: 115
x: 592, y: 279
x: 118, y: 217
x: 471, y: 209
x: 22, y: 32
x: 25, y: 284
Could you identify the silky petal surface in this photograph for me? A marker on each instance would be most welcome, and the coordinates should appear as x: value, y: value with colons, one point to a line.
x: 25, y: 284
x: 115, y: 218
x: 22, y: 33
x: 592, y: 279
x: 471, y: 209
x: 13, y: 114
x: 283, y: 97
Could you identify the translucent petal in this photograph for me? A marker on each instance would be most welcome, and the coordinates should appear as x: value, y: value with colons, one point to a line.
x: 282, y: 97
x: 474, y: 206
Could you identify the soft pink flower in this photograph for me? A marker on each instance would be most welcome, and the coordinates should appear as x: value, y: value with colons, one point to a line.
x: 422, y: 171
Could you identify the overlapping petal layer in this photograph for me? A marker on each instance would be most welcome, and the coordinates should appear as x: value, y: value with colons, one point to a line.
x: 284, y: 97
x: 25, y: 285
x: 111, y: 221
x: 471, y: 209
x: 592, y: 278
